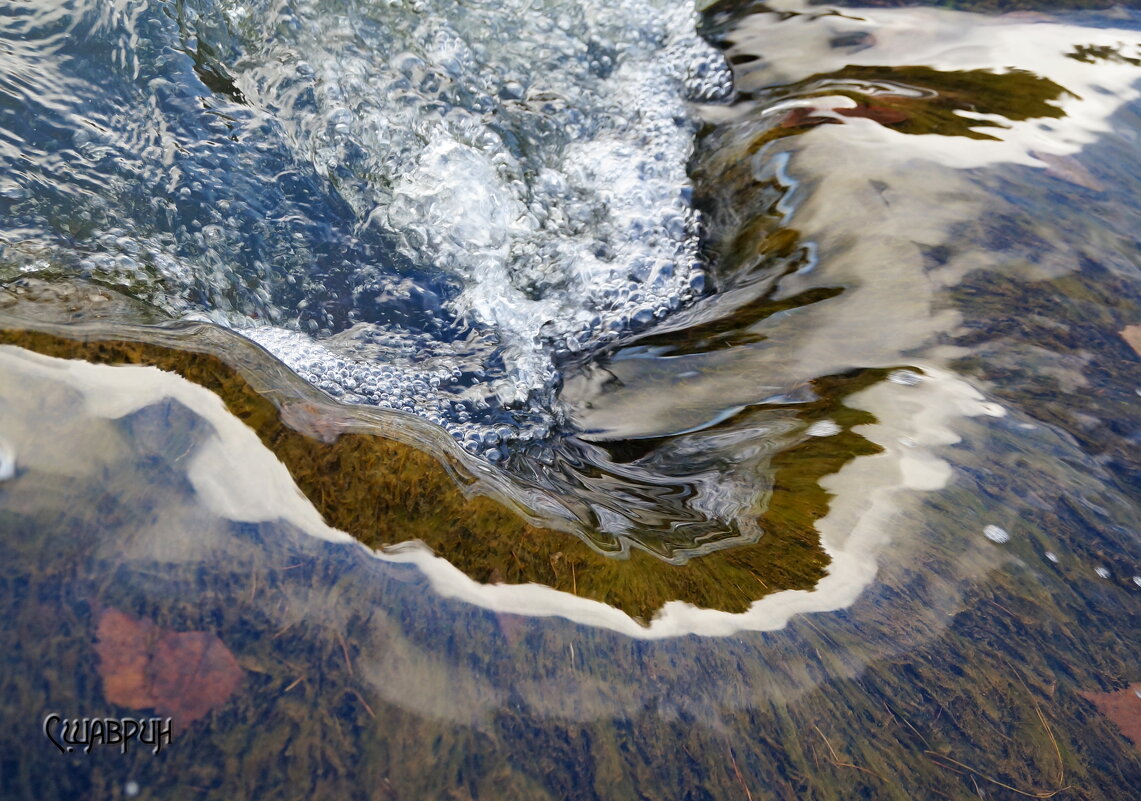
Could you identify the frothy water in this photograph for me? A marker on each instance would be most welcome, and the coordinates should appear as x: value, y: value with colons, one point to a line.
x: 436, y: 209
x: 531, y: 156
x: 464, y: 196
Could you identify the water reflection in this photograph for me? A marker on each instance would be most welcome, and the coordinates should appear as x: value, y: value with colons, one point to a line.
x: 922, y: 336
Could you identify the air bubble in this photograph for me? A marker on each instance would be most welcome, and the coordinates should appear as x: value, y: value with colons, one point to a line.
x: 907, y: 378
x: 7, y: 461
x: 996, y: 534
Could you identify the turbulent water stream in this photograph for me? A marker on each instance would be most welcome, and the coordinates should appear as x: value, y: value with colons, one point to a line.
x: 435, y: 210
x: 818, y: 326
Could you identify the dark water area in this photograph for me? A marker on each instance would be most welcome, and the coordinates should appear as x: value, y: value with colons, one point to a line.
x: 545, y: 414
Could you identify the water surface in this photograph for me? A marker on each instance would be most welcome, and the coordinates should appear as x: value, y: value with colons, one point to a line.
x: 873, y: 302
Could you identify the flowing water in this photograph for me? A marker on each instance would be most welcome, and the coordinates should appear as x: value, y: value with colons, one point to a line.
x: 734, y: 402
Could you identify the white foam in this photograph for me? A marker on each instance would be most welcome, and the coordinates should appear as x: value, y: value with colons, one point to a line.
x: 536, y: 153
x: 7, y: 461
x: 520, y: 163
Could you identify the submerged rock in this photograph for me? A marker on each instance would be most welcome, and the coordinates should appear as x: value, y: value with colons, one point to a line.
x: 365, y: 481
x: 180, y: 674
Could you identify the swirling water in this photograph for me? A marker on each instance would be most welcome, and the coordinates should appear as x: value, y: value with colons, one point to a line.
x: 558, y: 232
x: 436, y: 210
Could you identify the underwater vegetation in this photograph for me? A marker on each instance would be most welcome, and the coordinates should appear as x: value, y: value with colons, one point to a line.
x: 385, y: 492
x: 969, y: 665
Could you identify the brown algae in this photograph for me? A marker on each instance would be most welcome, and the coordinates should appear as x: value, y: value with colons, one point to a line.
x: 384, y: 492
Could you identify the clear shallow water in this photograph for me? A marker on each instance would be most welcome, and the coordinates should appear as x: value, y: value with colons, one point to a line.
x: 883, y: 194
x: 963, y: 665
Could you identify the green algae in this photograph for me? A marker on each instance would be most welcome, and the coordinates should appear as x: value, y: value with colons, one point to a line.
x: 384, y: 492
x: 1015, y: 94
x: 1089, y: 54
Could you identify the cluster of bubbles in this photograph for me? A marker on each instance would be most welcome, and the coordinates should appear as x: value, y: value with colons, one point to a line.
x: 529, y: 156
x: 424, y: 205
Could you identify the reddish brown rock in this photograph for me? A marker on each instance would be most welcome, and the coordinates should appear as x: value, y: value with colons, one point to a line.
x: 881, y: 114
x: 181, y: 675
x: 1123, y: 708
x: 802, y: 117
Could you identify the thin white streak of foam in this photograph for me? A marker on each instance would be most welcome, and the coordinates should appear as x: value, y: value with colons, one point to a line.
x: 7, y: 461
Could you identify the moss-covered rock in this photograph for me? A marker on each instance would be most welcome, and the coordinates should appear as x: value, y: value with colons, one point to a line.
x: 384, y: 492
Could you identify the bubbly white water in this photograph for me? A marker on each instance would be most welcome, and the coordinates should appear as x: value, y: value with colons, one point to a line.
x: 533, y: 153
x: 427, y: 205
